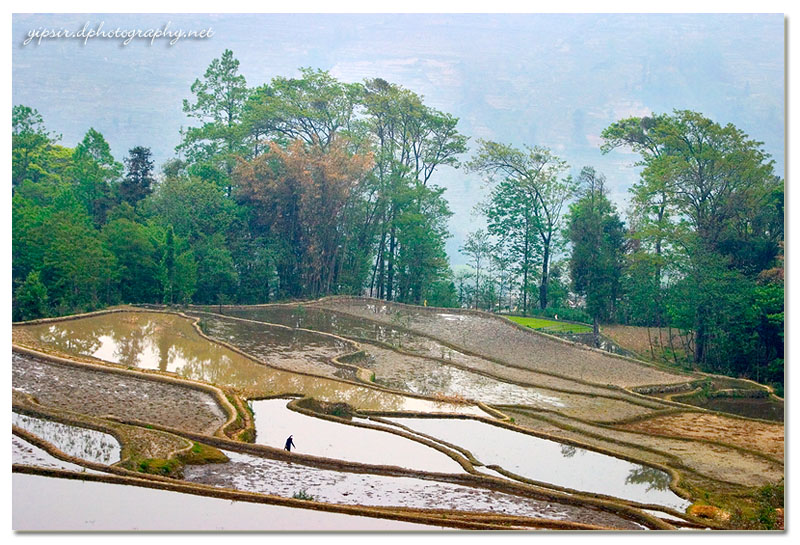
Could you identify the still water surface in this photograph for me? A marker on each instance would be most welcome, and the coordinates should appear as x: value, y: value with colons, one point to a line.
x: 170, y: 343
x: 552, y: 462
x: 319, y: 437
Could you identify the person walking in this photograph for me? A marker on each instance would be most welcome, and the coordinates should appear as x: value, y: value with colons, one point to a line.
x: 289, y: 444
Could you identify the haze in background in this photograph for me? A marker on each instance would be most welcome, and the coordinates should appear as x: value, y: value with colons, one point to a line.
x: 551, y: 80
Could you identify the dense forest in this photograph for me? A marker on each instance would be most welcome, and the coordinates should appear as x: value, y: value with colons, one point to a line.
x: 308, y: 186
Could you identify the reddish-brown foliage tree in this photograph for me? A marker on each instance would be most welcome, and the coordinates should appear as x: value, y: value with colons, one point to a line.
x: 300, y: 194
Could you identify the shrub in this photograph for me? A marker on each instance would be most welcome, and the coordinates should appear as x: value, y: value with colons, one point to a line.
x: 303, y: 495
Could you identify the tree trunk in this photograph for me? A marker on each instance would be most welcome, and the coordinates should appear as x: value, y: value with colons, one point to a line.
x: 543, y: 286
x: 700, y: 341
x: 595, y: 332
x: 390, y: 266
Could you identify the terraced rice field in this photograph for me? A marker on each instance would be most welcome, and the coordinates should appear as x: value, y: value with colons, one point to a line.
x: 577, y: 447
x: 168, y: 342
x: 494, y: 337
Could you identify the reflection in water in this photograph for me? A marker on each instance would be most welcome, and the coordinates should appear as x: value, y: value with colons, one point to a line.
x: 568, y: 451
x: 426, y: 377
x: 168, y: 342
x: 549, y: 461
x: 292, y: 349
x: 83, y: 443
x: 329, y: 321
x: 764, y: 408
x: 654, y: 479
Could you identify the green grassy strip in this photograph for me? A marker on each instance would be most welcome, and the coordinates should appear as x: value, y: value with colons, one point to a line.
x: 550, y: 325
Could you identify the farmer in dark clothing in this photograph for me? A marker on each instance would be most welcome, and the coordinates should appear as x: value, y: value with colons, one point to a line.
x: 289, y: 444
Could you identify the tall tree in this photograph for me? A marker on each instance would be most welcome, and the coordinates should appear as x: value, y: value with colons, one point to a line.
x: 478, y: 248
x: 32, y: 148
x: 138, y: 180
x: 716, y: 185
x: 535, y: 174
x: 94, y: 171
x: 299, y: 196
x: 136, y: 254
x: 512, y: 218
x: 314, y: 108
x: 61, y: 244
x: 410, y: 141
x: 597, y: 236
x: 218, y: 105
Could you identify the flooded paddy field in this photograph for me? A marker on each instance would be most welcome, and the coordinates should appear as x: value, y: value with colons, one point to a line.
x: 494, y: 337
x: 168, y: 342
x: 96, y: 392
x: 61, y: 505
x: 255, y: 474
x: 402, y: 351
x: 764, y: 408
x: 83, y: 443
x: 726, y: 465
x: 25, y: 453
x: 282, y: 347
x: 423, y: 363
x: 551, y: 462
x: 319, y: 437
x: 429, y: 377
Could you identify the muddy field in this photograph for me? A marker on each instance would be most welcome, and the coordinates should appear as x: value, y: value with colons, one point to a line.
x: 429, y: 377
x: 493, y: 337
x: 281, y: 347
x: 759, y: 436
x: 393, y: 346
x: 728, y: 466
x: 102, y: 393
x: 652, y: 343
x: 256, y: 474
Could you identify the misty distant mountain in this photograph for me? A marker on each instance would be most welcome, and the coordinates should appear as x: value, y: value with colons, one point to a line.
x: 551, y: 80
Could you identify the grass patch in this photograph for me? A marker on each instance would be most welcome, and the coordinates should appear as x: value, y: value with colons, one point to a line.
x: 160, y: 466
x: 303, y: 495
x: 550, y: 325
x: 203, y: 454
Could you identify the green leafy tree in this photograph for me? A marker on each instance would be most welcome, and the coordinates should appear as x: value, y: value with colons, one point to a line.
x: 512, y: 219
x: 314, y: 108
x: 30, y: 298
x: 217, y: 278
x: 477, y: 247
x: 177, y: 270
x: 710, y: 199
x: 532, y: 180
x: 60, y: 242
x: 211, y: 149
x: 93, y: 172
x: 134, y: 248
x: 597, y: 237
x: 34, y: 153
x: 195, y: 208
x: 138, y: 181
x: 168, y: 267
x: 421, y: 261
x: 410, y: 142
